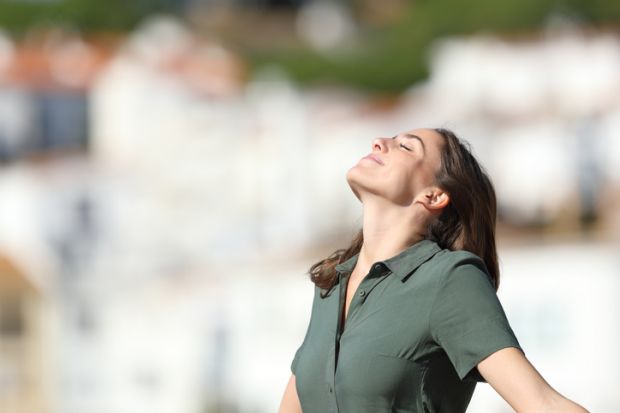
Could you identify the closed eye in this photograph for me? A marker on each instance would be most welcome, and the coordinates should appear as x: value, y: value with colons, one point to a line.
x: 406, y: 147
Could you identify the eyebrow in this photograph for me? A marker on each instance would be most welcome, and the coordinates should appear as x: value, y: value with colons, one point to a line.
x: 412, y: 136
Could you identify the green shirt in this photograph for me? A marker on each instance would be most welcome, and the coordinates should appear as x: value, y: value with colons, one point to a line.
x: 417, y: 326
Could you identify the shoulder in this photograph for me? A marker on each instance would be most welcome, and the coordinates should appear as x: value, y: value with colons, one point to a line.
x: 457, y: 258
x: 459, y: 263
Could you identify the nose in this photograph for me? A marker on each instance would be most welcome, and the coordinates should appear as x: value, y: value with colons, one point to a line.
x: 379, y: 144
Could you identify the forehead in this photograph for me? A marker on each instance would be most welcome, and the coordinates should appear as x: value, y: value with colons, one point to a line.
x: 428, y: 135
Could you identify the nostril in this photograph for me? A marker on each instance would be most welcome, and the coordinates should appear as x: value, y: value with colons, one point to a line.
x: 379, y: 145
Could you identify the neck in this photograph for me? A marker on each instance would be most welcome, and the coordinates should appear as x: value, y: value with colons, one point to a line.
x: 388, y: 230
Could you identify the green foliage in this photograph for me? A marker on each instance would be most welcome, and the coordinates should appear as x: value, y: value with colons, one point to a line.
x: 396, y: 57
x: 386, y: 59
x: 84, y: 15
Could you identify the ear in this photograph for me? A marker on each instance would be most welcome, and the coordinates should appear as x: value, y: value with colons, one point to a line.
x: 434, y: 199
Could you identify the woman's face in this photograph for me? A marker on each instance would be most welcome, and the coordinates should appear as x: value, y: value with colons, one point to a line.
x: 398, y: 168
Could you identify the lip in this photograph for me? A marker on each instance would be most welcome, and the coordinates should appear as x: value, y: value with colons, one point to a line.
x: 373, y: 157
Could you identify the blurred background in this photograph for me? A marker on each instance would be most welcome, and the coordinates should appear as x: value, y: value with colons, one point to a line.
x: 170, y: 169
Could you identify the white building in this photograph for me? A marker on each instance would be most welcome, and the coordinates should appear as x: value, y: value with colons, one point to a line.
x: 174, y: 252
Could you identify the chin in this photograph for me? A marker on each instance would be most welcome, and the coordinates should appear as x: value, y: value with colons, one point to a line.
x: 355, y: 192
x: 353, y: 182
x: 361, y: 187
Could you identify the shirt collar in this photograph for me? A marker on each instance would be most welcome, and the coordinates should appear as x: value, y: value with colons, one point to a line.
x: 403, y: 263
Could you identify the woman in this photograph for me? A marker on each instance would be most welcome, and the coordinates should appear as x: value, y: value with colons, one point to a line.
x: 407, y: 319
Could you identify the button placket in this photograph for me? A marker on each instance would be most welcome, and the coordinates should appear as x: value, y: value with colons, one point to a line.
x: 375, y: 275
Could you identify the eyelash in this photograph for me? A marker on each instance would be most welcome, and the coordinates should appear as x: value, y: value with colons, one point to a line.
x: 406, y: 148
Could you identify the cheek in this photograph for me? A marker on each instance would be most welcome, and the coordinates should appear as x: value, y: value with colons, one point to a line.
x: 415, y: 181
x: 399, y: 185
x: 424, y: 177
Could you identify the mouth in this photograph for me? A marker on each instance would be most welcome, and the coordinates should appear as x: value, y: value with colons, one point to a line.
x: 374, y: 158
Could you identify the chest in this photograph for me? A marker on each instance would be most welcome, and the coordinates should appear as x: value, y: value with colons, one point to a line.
x: 380, y: 315
x: 351, y: 288
x: 383, y: 348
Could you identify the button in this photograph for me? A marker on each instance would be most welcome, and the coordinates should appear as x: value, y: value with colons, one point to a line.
x: 362, y: 293
x: 377, y: 267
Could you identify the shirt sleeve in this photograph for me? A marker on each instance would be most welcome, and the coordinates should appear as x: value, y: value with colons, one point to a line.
x: 467, y: 319
x: 300, y: 349
x: 295, y: 358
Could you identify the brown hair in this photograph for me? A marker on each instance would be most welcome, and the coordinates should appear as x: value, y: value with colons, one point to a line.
x: 467, y: 223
